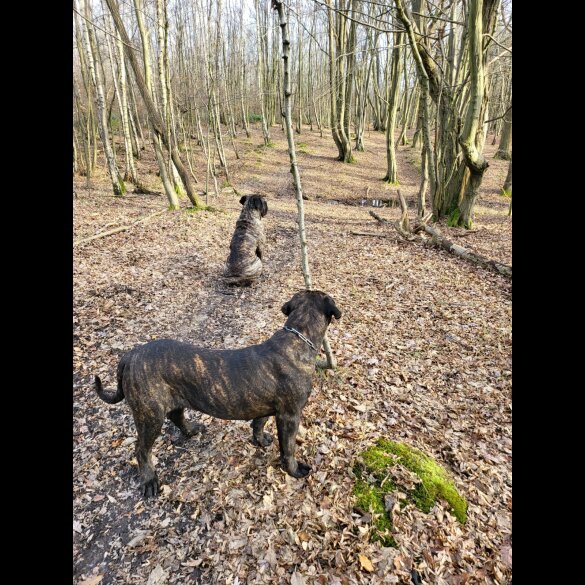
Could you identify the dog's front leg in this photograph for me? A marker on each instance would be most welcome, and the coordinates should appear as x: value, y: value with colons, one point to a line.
x: 288, y: 426
x: 259, y: 437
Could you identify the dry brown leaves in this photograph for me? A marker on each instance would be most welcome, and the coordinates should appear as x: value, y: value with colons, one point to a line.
x: 424, y: 354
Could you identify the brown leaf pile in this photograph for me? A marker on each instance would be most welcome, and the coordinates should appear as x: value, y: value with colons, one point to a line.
x: 424, y: 355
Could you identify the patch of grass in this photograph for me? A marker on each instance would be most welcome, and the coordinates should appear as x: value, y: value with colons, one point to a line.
x: 261, y: 148
x: 302, y: 147
x: 374, y: 481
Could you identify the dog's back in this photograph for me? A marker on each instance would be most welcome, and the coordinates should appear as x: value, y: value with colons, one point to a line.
x: 244, y: 263
x: 233, y: 384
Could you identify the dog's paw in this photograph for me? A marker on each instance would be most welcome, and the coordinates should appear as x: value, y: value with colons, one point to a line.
x: 264, y: 441
x: 302, y: 470
x: 151, y: 488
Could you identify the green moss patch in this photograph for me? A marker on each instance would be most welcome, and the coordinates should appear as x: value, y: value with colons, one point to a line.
x: 375, y: 479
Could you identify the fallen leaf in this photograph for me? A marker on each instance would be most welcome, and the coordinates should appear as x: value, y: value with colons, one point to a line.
x: 366, y: 563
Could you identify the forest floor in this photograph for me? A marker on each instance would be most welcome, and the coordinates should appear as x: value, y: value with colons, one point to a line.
x: 424, y: 355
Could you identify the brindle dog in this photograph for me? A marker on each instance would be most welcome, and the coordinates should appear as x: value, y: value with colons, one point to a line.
x: 244, y: 264
x: 161, y: 378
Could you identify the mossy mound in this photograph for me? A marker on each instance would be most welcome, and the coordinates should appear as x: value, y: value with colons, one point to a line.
x: 374, y: 480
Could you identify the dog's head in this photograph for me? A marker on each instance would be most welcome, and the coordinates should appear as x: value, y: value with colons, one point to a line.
x: 307, y: 301
x: 255, y: 202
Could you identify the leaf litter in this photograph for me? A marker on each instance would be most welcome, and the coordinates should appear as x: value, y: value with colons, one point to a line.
x: 424, y: 356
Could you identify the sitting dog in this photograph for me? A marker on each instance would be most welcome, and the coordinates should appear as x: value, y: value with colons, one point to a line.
x: 244, y: 264
x: 162, y: 378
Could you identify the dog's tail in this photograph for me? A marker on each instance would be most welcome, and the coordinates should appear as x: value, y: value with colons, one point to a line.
x: 106, y: 395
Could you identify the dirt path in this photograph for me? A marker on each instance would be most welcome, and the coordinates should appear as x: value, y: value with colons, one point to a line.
x: 424, y: 349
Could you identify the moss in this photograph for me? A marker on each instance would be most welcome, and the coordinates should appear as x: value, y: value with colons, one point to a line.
x: 121, y: 188
x: 453, y: 220
x: 198, y: 208
x: 374, y: 481
x: 371, y: 498
x: 302, y: 147
x: 507, y: 194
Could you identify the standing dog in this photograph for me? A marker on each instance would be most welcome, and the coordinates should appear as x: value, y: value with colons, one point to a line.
x: 161, y: 378
x: 244, y: 264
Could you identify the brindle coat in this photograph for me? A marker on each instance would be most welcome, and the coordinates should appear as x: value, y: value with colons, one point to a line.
x: 244, y: 264
x: 162, y: 378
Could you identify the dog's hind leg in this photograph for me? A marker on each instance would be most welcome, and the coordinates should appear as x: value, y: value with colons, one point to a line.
x: 288, y: 426
x: 148, y: 427
x: 189, y: 429
x: 259, y: 437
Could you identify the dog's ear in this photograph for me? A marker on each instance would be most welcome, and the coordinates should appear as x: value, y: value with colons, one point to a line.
x: 243, y: 199
x: 287, y: 308
x: 264, y: 209
x: 331, y: 309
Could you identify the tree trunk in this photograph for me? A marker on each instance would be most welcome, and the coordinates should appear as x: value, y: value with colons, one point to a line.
x: 278, y: 5
x: 473, y: 157
x: 96, y: 75
x: 507, y: 188
x: 260, y: 73
x: 392, y: 170
x: 155, y: 117
x: 505, y: 148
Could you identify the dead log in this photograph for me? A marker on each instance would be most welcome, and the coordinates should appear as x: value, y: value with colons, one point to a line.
x: 441, y: 241
x: 117, y: 230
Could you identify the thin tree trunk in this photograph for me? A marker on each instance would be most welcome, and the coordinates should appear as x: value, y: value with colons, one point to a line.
x: 505, y: 147
x: 96, y: 75
x: 507, y: 188
x: 424, y: 84
x: 265, y: 131
x: 392, y: 170
x: 156, y: 139
x: 155, y: 117
x: 278, y: 5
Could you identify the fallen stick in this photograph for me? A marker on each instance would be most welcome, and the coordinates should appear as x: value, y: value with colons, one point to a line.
x: 465, y: 234
x: 117, y: 230
x: 380, y: 219
x: 369, y: 234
